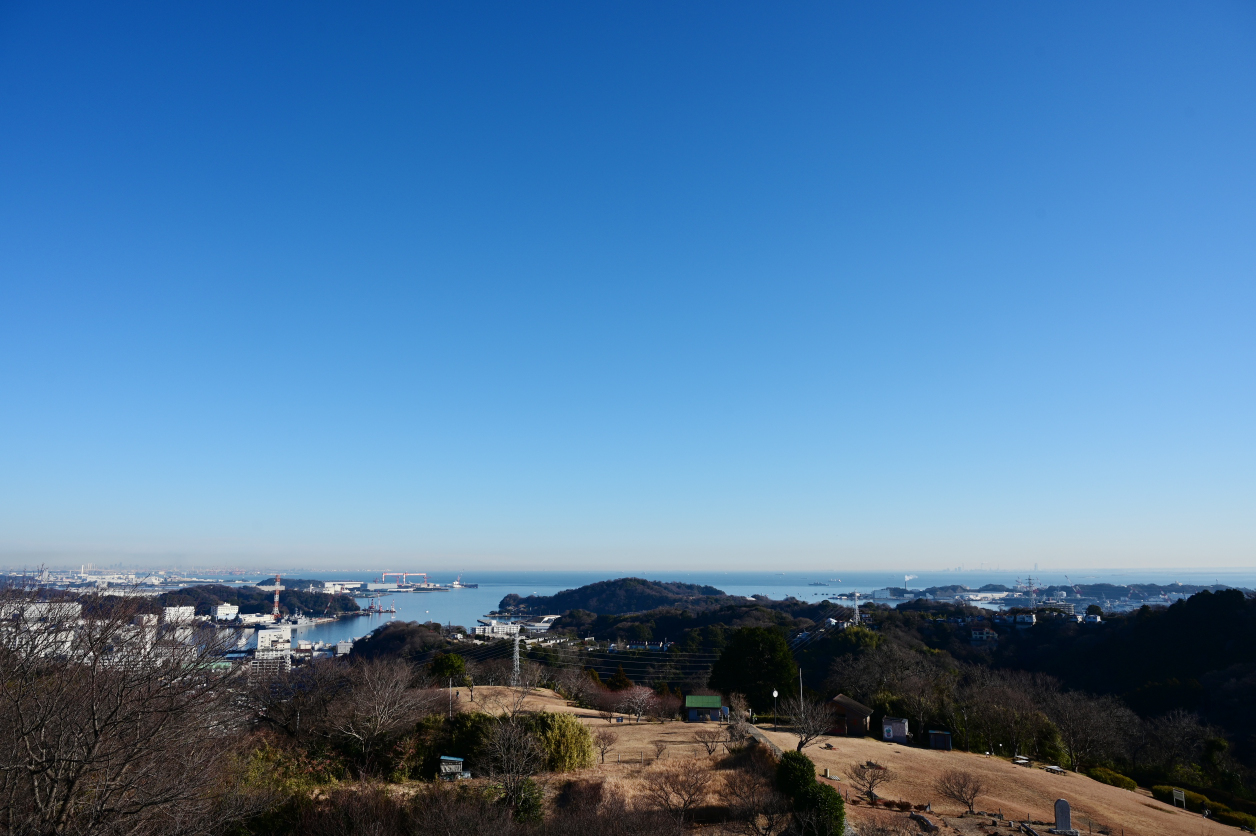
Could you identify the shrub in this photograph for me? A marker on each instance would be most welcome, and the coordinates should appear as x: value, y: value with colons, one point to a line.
x: 1194, y: 801
x: 1116, y: 779
x: 794, y: 774
x: 566, y: 742
x: 463, y: 735
x: 821, y: 810
x: 446, y: 666
x: 1235, y: 819
x: 530, y: 806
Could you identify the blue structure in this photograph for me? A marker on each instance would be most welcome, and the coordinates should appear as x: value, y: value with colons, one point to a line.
x: 451, y: 768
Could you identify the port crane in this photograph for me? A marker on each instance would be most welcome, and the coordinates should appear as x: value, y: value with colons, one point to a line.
x: 405, y: 576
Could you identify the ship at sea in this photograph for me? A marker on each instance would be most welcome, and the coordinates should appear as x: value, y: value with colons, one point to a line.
x: 458, y: 584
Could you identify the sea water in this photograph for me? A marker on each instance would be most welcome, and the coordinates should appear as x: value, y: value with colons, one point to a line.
x: 464, y: 606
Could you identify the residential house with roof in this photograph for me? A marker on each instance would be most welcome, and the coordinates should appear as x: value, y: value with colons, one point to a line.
x: 701, y: 708
x: 850, y: 717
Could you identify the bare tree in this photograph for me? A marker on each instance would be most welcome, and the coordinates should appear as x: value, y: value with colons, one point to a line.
x: 677, y: 787
x: 710, y: 739
x: 960, y: 700
x: 922, y: 685
x: 660, y: 749
x: 512, y: 756
x: 738, y: 708
x: 495, y: 672
x: 512, y: 701
x: 1089, y: 726
x: 1176, y: 739
x: 664, y: 707
x: 960, y: 786
x: 868, y: 777
x: 606, y: 702
x: 379, y: 704
x: 738, y: 717
x: 366, y: 808
x: 298, y: 703
x: 636, y: 700
x: 575, y: 684
x: 473, y: 676
x: 587, y: 807
x: 810, y: 718
x: 755, y: 806
x: 441, y: 809
x: 604, y: 740
x: 111, y: 723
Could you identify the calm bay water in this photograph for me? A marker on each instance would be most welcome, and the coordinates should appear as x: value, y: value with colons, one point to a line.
x: 464, y: 606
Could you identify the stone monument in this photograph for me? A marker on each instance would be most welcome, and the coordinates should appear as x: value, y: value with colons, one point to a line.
x: 1064, y: 819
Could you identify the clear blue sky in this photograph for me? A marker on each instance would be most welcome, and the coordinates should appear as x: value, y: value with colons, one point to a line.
x: 629, y: 285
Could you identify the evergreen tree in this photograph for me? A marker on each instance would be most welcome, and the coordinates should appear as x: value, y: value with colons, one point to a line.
x: 619, y: 681
x: 755, y: 661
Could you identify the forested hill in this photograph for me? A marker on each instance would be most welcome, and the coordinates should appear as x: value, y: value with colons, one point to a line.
x: 1199, y: 655
x: 623, y: 595
x: 250, y: 599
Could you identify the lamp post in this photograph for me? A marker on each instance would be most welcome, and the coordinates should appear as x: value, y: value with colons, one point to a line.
x: 774, y: 720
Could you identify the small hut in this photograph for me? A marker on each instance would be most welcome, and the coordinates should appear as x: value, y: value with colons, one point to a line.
x: 850, y: 718
x: 700, y: 708
x: 451, y: 768
x: 894, y: 729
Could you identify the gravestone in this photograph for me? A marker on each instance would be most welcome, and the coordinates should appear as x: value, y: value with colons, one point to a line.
x: 1064, y: 819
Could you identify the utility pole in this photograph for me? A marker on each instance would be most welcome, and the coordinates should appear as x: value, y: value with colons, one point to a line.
x: 451, y: 697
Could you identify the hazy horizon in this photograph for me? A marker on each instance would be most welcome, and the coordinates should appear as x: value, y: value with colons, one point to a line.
x: 503, y: 286
x: 586, y: 563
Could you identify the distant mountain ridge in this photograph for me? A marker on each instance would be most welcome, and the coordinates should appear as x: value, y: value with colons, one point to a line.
x: 615, y: 597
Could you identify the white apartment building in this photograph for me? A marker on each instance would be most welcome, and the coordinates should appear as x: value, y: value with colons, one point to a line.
x: 494, y: 629
x: 178, y: 615
x: 274, y: 652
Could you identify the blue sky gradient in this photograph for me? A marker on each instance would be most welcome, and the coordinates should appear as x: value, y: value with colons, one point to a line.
x: 629, y: 285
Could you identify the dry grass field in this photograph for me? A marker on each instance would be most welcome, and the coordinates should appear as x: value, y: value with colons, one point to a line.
x: 1019, y: 792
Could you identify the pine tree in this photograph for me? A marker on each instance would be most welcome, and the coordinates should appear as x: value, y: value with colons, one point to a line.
x: 619, y: 681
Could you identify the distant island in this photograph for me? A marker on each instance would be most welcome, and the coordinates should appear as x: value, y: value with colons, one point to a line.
x: 620, y: 596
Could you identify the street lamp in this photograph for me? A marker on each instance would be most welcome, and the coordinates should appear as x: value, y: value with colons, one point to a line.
x: 774, y: 720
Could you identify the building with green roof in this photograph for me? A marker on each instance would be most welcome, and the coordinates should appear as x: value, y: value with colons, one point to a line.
x: 700, y: 708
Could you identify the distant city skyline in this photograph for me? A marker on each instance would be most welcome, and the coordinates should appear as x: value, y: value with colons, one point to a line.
x: 712, y: 286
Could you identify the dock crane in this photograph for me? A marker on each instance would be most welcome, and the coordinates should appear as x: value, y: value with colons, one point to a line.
x: 405, y: 576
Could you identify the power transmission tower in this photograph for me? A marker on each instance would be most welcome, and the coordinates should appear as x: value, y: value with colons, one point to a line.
x: 514, y: 680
